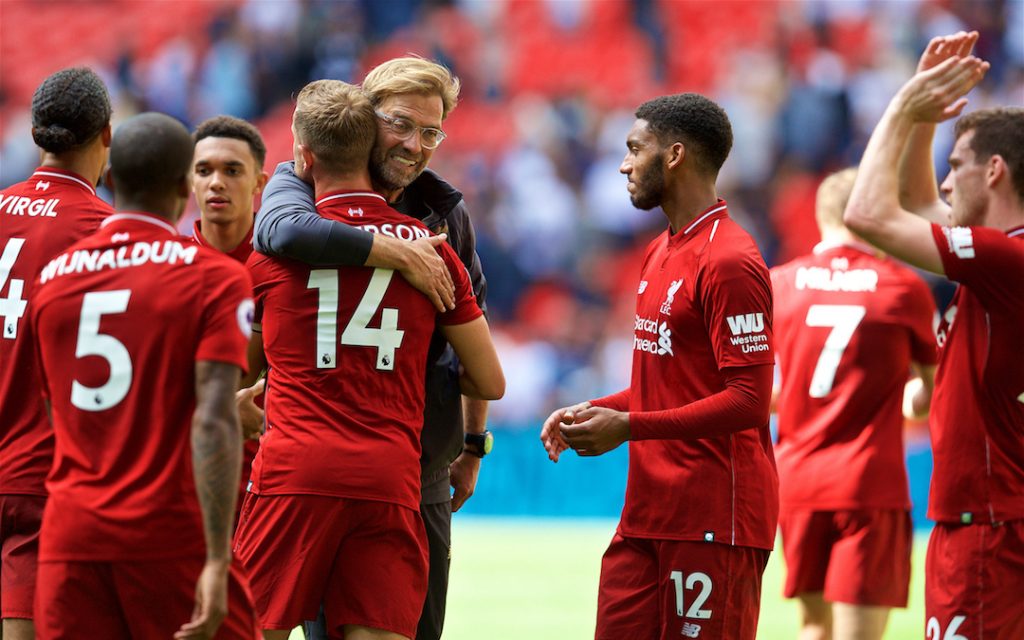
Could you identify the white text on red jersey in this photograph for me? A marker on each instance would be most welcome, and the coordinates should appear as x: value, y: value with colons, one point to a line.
x: 822, y: 279
x: 133, y: 255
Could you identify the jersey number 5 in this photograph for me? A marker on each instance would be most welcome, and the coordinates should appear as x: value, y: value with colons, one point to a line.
x: 357, y: 332
x: 93, y: 343
x: 844, y: 319
x: 12, y: 307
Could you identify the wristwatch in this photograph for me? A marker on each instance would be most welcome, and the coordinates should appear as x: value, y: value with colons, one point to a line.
x: 479, y: 444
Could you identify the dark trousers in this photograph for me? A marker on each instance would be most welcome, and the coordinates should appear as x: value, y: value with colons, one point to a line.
x: 437, y: 519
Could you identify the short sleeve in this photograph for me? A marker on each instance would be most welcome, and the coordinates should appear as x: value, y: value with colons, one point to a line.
x: 987, y: 261
x: 920, y: 314
x: 737, y: 298
x: 466, y: 308
x: 227, y: 312
x: 257, y: 266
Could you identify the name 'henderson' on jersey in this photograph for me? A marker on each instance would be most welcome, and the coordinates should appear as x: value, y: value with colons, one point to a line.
x: 347, y: 349
x: 39, y: 218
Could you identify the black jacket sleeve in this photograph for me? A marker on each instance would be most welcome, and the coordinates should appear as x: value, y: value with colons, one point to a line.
x: 288, y: 226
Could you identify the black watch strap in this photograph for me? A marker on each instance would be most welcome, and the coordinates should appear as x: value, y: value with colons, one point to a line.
x: 478, y: 444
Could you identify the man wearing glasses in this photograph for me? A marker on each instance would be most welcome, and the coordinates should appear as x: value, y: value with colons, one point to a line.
x: 412, y: 97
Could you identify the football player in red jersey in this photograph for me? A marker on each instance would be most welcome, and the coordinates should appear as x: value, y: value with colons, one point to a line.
x: 849, y: 323
x: 135, y: 540
x: 702, y: 492
x: 227, y: 176
x: 332, y: 515
x: 974, y: 571
x: 40, y: 217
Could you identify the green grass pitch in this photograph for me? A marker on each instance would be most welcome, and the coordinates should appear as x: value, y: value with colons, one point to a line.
x: 517, y: 578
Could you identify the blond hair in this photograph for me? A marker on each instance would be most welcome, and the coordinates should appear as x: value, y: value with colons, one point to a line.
x: 412, y: 74
x: 335, y: 121
x: 833, y: 194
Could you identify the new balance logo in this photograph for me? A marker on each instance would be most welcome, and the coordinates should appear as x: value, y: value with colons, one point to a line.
x: 42, y: 186
x: 119, y: 237
x: 355, y: 211
x: 961, y: 241
x: 746, y: 323
x: 691, y: 630
x: 643, y: 287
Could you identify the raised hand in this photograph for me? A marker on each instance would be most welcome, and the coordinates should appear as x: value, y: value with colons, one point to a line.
x: 938, y: 94
x: 942, y: 48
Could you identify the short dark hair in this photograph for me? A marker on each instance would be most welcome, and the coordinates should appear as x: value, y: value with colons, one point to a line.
x: 69, y: 108
x: 694, y: 120
x: 232, y: 127
x: 998, y: 131
x: 149, y: 155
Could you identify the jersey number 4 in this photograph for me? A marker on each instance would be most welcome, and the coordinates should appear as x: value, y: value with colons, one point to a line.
x: 357, y: 332
x: 844, y: 319
x: 12, y: 307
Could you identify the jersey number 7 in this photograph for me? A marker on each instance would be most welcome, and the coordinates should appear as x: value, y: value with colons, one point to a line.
x: 357, y: 332
x: 844, y: 319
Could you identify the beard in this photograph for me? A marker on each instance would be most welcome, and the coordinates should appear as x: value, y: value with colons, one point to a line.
x: 386, y: 175
x: 650, y: 190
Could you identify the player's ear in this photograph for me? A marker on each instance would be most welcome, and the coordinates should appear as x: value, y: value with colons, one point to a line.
x: 261, y: 181
x: 107, y: 135
x: 308, y: 161
x: 675, y: 154
x: 995, y: 170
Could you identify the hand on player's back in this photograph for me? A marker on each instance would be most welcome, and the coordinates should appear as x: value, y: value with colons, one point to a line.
x: 250, y: 415
x: 426, y: 271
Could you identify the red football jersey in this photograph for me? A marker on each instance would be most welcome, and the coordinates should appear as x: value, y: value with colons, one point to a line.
x: 848, y: 323
x: 239, y: 254
x: 347, y: 353
x: 977, y: 412
x: 704, y: 304
x: 39, y: 218
x: 121, y: 319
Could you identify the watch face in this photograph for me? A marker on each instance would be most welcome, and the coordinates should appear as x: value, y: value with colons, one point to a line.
x: 488, y: 442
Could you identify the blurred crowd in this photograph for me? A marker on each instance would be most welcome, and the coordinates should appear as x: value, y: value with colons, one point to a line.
x: 549, y: 89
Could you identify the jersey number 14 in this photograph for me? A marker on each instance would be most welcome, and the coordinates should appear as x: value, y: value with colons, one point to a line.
x: 387, y: 338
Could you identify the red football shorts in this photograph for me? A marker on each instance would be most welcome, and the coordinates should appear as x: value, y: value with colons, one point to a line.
x: 366, y: 561
x: 132, y: 600
x: 974, y: 581
x: 859, y: 557
x: 20, y: 519
x: 670, y: 589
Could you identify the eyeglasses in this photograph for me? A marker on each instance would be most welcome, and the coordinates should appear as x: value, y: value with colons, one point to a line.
x: 404, y: 128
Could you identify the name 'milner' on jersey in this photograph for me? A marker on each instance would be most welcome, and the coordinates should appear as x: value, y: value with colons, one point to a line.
x: 39, y: 218
x: 121, y: 319
x: 347, y: 354
x: 704, y: 304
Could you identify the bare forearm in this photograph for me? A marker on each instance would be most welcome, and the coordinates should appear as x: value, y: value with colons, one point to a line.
x: 217, y: 464
x: 474, y: 414
x: 216, y: 453
x: 918, y: 188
